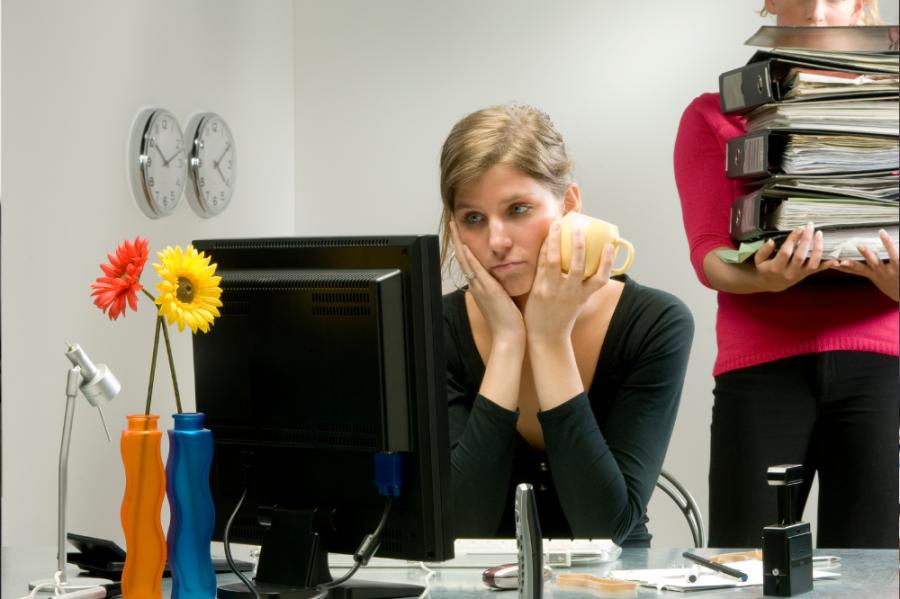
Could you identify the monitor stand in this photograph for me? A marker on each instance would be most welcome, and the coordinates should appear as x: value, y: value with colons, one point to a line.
x: 293, y: 562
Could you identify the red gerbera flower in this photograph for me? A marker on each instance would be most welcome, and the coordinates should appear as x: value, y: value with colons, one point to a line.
x: 122, y: 281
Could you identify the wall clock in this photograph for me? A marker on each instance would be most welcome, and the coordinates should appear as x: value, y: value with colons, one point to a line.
x: 157, y: 164
x: 212, y: 165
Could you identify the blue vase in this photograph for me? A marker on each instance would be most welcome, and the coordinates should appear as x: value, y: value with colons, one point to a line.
x: 191, y: 508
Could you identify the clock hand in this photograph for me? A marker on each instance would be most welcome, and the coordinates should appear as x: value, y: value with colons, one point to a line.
x: 225, y: 151
x: 177, y: 152
x: 161, y: 155
x: 221, y: 174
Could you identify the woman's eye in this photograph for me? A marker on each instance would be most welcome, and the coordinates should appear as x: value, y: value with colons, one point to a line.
x: 520, y: 209
x: 472, y: 218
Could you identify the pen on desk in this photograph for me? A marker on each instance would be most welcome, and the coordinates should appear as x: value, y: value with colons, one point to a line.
x: 692, y: 575
x: 742, y: 576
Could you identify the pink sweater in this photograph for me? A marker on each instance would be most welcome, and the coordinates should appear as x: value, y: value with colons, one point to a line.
x: 825, y: 312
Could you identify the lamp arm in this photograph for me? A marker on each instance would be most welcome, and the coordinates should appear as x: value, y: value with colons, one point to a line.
x: 72, y: 382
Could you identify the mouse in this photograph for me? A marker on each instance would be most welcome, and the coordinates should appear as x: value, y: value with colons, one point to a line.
x: 506, y: 576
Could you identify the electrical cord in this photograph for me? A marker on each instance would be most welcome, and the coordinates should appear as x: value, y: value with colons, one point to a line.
x: 56, y: 585
x: 430, y: 574
x: 228, y: 557
x: 363, y: 553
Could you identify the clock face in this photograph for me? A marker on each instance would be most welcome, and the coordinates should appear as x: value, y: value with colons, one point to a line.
x: 213, y: 164
x: 159, y: 170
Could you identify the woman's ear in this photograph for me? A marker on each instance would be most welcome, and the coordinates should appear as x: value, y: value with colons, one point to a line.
x: 572, y: 199
x: 771, y: 7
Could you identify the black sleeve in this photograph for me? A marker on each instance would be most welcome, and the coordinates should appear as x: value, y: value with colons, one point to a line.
x: 482, y: 439
x: 604, y: 478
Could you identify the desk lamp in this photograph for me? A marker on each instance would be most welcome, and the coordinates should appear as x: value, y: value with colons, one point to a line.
x: 99, y: 386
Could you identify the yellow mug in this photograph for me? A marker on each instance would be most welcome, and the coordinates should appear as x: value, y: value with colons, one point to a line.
x: 597, y: 233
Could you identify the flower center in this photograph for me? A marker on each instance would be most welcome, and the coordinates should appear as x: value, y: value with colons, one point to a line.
x: 185, y: 292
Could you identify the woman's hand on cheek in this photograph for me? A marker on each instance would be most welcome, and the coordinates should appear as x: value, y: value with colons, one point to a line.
x: 501, y: 314
x: 557, y: 298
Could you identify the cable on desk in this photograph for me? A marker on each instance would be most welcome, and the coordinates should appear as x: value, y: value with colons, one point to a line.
x: 364, y: 552
x: 228, y: 557
x: 56, y: 585
x: 430, y: 574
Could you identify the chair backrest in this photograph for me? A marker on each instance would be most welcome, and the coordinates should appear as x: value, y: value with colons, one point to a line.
x: 685, y: 502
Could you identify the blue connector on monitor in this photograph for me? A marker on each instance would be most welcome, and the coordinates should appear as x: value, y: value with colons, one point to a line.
x: 388, y: 473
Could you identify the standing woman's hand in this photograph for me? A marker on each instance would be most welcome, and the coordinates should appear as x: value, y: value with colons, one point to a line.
x: 885, y: 275
x: 501, y: 314
x: 790, y: 265
x: 557, y: 298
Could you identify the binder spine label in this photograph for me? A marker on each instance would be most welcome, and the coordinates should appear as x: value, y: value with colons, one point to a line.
x: 747, y: 156
x: 747, y: 87
x: 730, y: 88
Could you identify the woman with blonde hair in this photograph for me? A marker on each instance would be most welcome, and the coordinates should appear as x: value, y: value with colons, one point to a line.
x: 567, y: 382
x: 807, y: 366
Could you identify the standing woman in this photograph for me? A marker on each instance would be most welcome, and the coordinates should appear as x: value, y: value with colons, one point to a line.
x: 568, y: 383
x: 807, y: 367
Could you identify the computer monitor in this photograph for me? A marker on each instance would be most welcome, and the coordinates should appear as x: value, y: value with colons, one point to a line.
x: 328, y: 352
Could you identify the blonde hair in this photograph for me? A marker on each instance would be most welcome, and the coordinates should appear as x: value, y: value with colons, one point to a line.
x: 518, y: 136
x: 871, y: 15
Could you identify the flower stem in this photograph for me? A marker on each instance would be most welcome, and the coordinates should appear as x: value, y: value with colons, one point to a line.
x: 165, y: 330
x: 171, y: 366
x: 153, y: 364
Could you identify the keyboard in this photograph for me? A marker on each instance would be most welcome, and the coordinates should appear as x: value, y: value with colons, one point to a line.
x: 482, y: 553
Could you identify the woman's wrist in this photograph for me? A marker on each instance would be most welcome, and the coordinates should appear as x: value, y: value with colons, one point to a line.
x: 510, y: 343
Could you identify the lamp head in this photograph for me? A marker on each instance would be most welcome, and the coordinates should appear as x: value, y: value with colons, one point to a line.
x: 98, y: 384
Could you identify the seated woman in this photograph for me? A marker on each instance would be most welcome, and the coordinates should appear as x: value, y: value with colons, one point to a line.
x: 567, y: 383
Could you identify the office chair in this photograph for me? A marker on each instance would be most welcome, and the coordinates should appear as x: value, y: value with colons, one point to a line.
x: 685, y: 502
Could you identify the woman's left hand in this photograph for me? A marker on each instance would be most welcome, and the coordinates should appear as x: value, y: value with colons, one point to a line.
x: 885, y: 275
x: 556, y: 298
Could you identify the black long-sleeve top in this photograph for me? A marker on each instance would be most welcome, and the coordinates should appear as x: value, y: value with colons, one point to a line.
x: 604, y: 448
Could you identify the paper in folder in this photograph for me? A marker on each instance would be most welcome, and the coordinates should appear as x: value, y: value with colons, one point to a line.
x: 866, y: 116
x: 770, y: 152
x: 845, y: 223
x: 785, y: 76
x: 880, y: 187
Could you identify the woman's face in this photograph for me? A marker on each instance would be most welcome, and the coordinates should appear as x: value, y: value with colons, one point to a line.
x: 503, y: 217
x: 816, y: 13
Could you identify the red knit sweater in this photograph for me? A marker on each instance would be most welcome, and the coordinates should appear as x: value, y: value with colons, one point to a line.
x: 825, y: 312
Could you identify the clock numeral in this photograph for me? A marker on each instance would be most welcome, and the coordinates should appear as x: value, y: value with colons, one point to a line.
x: 165, y: 124
x: 148, y: 162
x: 215, y: 127
x: 202, y: 181
x: 151, y: 182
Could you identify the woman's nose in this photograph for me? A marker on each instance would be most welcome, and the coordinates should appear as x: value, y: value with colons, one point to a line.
x: 499, y: 238
x: 817, y: 12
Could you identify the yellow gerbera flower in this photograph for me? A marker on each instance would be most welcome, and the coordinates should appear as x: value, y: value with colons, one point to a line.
x: 189, y: 292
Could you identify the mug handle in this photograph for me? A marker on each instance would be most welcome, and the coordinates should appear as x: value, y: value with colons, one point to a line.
x: 628, y: 259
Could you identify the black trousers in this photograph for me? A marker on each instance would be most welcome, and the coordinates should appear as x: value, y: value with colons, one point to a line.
x: 838, y: 414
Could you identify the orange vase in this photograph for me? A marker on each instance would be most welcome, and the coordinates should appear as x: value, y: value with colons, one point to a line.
x: 145, y: 487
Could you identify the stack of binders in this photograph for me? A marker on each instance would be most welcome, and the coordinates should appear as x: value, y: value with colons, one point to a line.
x: 821, y: 146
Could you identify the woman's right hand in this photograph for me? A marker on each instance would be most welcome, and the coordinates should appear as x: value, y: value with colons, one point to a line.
x: 789, y: 265
x: 503, y: 317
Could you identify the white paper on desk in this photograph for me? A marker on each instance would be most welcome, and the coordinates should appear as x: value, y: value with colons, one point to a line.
x: 675, y: 579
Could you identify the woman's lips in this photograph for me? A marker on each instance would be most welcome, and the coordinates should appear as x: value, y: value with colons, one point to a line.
x: 506, y: 267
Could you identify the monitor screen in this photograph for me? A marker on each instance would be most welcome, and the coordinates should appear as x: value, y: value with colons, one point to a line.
x: 328, y: 352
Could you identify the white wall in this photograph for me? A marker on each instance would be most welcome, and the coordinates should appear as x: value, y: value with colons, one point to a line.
x: 379, y: 86
x: 74, y: 75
